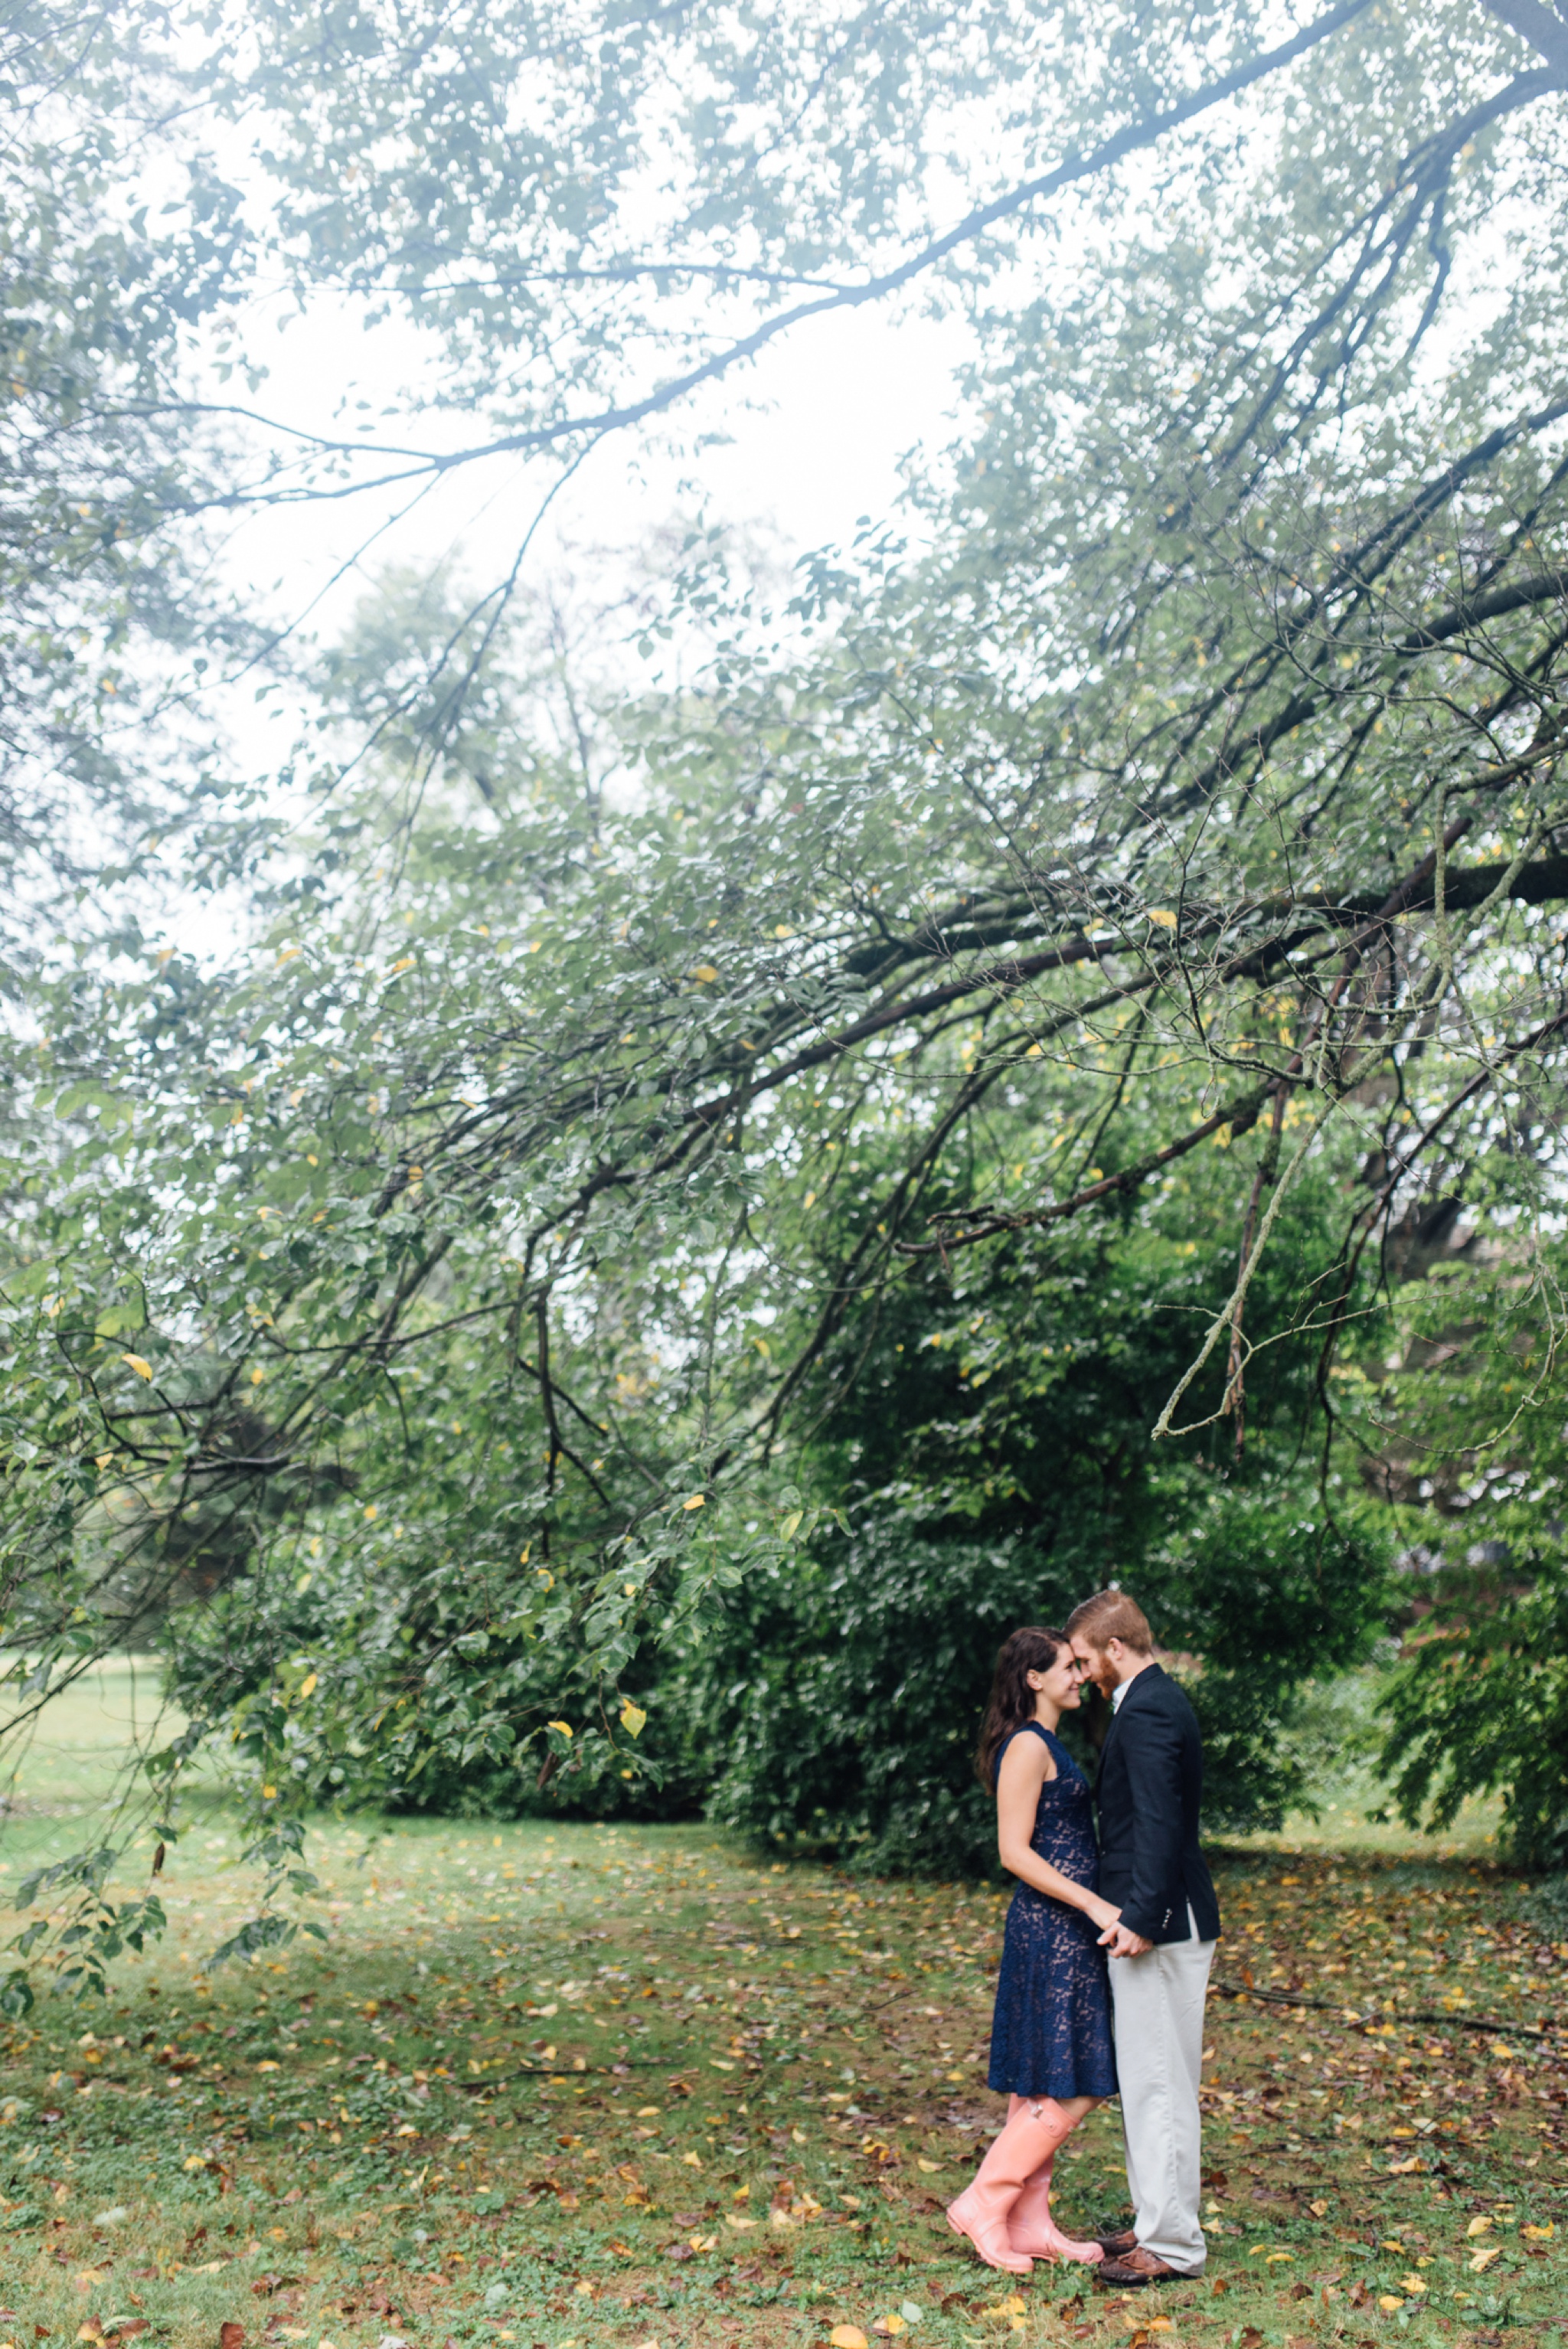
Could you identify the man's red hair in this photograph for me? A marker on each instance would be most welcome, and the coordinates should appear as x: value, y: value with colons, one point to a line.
x: 1111, y: 1615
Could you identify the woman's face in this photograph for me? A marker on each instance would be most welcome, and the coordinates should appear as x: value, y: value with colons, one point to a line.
x: 1059, y: 1683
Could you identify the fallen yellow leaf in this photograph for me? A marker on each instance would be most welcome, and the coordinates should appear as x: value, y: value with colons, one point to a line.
x: 930, y: 2168
x: 1479, y: 2227
x: 848, y: 2336
x: 1387, y: 2300
x: 1484, y: 2258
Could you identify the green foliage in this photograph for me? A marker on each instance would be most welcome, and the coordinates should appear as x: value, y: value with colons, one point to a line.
x: 1467, y: 1413
x: 1480, y: 1703
x: 994, y: 1474
x: 97, y: 1932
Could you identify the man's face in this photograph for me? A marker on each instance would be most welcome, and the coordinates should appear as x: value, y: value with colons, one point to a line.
x: 1094, y: 1664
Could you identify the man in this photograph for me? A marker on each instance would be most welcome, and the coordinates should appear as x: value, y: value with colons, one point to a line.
x: 1149, y: 1791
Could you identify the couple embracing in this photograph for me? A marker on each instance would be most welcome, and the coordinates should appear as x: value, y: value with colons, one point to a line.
x: 1105, y: 1964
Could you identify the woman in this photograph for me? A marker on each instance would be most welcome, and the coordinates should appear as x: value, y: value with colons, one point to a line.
x: 1050, y: 2040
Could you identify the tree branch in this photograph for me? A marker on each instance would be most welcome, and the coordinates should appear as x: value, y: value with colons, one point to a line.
x: 1145, y: 132
x: 1540, y: 26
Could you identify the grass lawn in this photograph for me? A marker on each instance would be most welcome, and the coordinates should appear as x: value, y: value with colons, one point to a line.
x: 628, y: 2085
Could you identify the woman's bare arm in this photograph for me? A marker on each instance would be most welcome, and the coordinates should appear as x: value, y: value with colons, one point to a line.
x: 1027, y: 1767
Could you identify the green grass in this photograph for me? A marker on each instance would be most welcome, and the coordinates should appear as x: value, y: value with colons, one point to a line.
x: 1337, y: 1736
x: 622, y: 2085
x: 71, y: 1761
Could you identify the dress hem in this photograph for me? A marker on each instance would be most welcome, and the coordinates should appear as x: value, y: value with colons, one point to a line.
x: 1058, y: 2096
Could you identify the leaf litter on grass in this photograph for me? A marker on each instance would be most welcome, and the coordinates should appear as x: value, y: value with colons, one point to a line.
x: 597, y: 2083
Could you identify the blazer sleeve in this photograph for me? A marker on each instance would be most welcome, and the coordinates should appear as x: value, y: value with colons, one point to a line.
x: 1151, y: 1756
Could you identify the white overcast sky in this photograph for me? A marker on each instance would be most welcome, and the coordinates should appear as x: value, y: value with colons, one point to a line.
x: 814, y: 430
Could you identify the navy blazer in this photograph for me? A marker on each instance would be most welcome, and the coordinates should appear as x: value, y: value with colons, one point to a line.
x: 1150, y: 1789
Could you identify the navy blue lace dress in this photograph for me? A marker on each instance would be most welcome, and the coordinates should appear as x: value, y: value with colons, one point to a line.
x: 1051, y: 2033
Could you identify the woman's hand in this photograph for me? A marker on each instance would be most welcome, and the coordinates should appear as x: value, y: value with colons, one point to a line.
x: 1102, y: 1913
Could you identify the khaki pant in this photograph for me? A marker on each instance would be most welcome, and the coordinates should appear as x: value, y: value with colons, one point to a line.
x: 1158, y: 2001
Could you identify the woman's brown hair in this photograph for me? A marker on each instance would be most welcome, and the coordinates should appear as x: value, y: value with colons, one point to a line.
x: 1012, y: 1700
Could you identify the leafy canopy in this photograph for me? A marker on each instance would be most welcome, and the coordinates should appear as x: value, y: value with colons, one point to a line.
x: 502, y: 1262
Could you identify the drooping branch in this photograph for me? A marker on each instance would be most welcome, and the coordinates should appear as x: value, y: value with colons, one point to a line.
x: 411, y: 463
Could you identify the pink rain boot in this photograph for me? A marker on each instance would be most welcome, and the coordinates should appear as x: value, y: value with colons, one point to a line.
x: 1032, y: 2228
x: 1031, y: 2134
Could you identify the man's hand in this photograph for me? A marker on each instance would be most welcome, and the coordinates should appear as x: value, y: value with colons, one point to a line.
x: 1119, y: 1941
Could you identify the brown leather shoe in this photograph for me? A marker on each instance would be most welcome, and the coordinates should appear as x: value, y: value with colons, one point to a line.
x: 1137, y: 2267
x: 1113, y: 2246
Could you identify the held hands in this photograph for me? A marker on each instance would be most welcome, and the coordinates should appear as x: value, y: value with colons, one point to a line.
x: 1118, y: 1940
